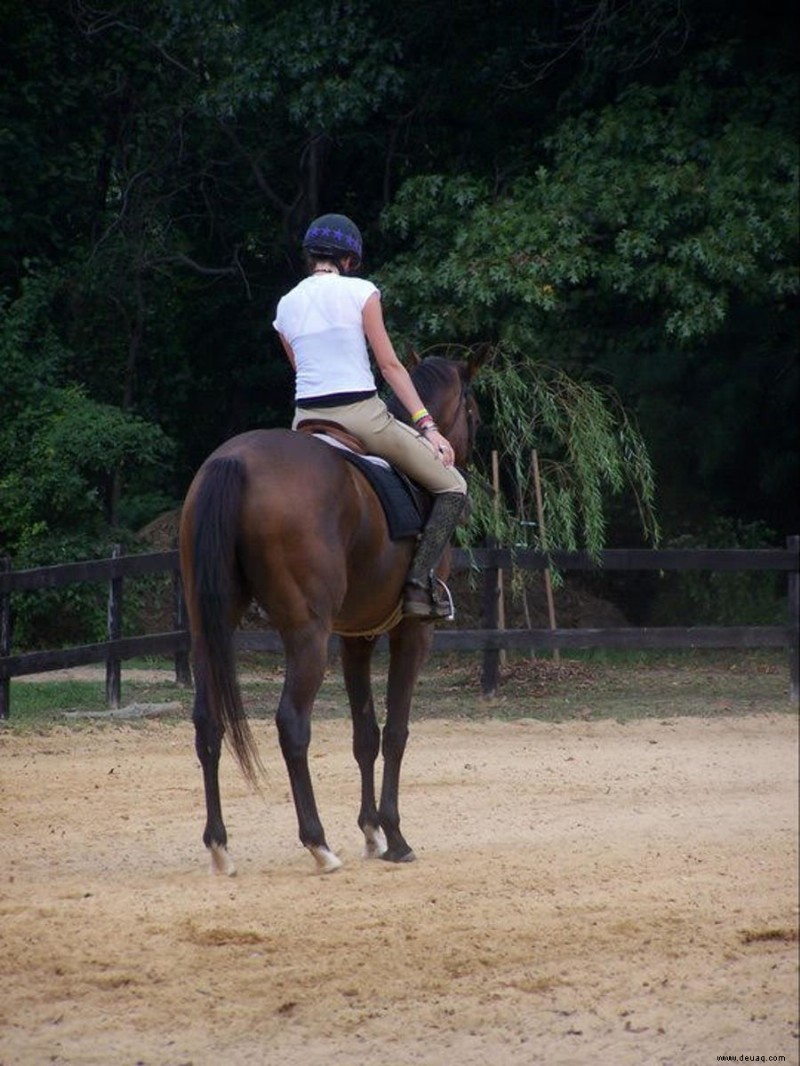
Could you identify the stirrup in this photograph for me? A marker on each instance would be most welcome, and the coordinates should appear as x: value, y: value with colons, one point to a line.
x: 432, y: 608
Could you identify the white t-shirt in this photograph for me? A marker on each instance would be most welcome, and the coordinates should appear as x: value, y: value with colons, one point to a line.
x: 321, y: 319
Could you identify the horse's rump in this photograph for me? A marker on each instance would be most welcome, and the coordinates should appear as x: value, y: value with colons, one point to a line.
x: 311, y: 539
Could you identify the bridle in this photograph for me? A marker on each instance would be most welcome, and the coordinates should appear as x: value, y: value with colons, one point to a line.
x: 469, y: 418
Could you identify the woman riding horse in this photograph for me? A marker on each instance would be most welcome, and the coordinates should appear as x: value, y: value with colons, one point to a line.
x: 324, y: 324
x: 285, y: 520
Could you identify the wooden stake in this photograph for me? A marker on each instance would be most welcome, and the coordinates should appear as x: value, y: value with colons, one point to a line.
x: 114, y: 630
x: 501, y: 604
x: 548, y: 585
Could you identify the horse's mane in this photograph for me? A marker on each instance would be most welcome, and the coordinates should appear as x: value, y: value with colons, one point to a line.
x: 432, y: 376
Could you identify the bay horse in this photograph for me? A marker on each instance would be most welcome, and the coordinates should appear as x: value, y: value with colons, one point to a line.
x: 282, y: 518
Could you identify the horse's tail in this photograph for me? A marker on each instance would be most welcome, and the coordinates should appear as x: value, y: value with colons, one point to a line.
x: 216, y: 521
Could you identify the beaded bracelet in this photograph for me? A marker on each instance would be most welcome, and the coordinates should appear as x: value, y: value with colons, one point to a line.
x: 425, y: 424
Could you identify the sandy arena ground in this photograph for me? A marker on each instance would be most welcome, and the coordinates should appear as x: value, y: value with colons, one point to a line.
x: 586, y: 893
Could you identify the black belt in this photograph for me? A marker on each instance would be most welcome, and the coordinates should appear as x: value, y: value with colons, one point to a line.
x: 334, y: 399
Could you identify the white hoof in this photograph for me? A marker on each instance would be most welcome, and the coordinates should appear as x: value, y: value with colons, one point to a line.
x: 221, y: 862
x: 374, y: 843
x: 326, y: 861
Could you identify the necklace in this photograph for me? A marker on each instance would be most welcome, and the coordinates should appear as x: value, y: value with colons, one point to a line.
x: 324, y: 271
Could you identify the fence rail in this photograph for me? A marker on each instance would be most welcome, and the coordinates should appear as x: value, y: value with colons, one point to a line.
x: 491, y: 640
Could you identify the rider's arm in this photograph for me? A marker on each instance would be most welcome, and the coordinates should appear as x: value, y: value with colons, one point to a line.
x: 395, y: 374
x: 288, y: 349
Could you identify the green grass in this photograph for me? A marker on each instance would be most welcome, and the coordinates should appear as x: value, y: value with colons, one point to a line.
x: 31, y: 700
x: 39, y: 704
x: 596, y: 684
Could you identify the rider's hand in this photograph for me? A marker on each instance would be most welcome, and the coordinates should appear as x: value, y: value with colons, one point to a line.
x: 441, y: 446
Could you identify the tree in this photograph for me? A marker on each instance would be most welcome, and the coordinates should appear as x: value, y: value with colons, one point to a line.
x: 652, y: 233
x: 59, y: 449
x: 606, y: 189
x: 591, y: 452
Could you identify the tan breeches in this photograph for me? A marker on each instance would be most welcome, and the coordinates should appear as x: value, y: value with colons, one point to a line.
x: 394, y: 441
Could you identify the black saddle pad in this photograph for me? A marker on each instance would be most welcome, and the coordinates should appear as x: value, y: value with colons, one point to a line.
x: 404, y: 503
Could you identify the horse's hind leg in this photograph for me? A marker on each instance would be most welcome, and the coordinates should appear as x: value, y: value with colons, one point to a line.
x: 356, y: 660
x: 409, y: 643
x: 208, y: 744
x: 306, y: 657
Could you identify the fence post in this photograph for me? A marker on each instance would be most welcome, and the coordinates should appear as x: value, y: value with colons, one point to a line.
x: 548, y: 583
x: 793, y: 544
x: 500, y: 622
x: 489, y: 617
x: 114, y: 630
x: 183, y: 671
x: 5, y: 641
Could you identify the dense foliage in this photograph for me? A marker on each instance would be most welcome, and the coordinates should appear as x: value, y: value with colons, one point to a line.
x: 605, y: 194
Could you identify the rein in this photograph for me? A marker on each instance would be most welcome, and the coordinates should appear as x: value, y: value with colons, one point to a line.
x: 466, y: 392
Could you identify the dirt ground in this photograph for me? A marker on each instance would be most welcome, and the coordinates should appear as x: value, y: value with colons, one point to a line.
x: 586, y: 892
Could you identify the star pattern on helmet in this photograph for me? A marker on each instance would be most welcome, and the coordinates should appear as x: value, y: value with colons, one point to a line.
x: 339, y: 235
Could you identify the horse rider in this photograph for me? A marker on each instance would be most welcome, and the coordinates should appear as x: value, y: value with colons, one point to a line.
x: 325, y: 323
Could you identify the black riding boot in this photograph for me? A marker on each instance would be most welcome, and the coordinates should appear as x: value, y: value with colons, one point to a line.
x: 419, y: 598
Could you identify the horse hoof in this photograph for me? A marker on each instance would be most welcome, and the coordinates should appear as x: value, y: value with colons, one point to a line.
x: 221, y: 862
x: 325, y: 859
x: 399, y: 856
x: 374, y: 843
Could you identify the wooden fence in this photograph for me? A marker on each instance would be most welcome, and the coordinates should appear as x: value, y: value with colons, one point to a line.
x: 491, y: 640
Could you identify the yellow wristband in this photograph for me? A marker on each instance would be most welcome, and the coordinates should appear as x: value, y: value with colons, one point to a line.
x: 419, y: 414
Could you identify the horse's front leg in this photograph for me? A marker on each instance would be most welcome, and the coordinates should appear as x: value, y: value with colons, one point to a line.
x: 208, y: 745
x: 409, y: 644
x: 356, y: 661
x: 306, y: 656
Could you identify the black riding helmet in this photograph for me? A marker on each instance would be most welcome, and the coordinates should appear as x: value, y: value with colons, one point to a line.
x: 333, y: 236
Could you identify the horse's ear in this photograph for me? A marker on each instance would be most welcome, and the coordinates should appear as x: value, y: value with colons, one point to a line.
x: 479, y: 355
x: 413, y: 357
